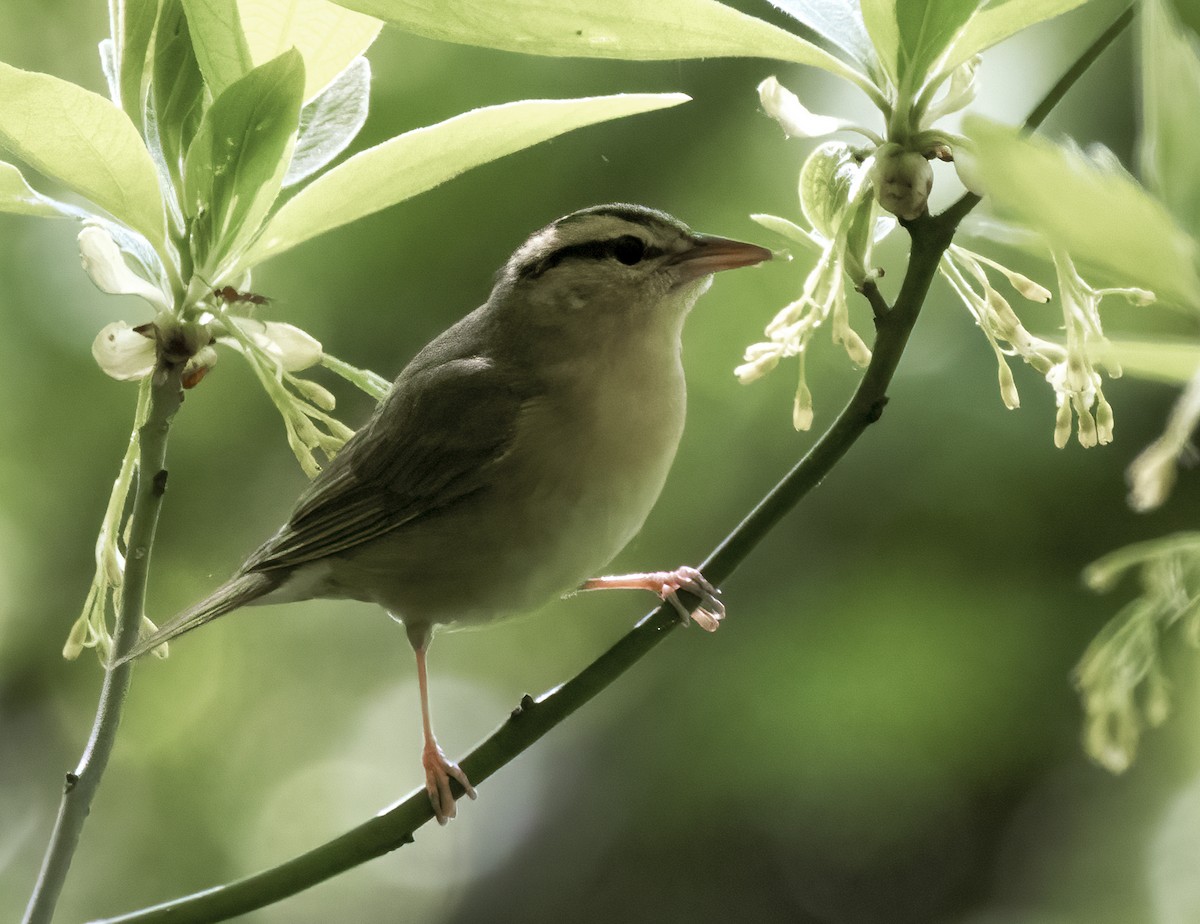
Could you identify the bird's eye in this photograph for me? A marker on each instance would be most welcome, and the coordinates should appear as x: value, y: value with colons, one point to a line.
x: 629, y: 249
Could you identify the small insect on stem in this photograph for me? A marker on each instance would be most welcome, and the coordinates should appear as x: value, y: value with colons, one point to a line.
x: 231, y: 296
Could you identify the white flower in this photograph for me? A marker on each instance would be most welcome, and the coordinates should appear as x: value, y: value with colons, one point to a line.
x: 104, y: 263
x: 835, y: 198
x: 124, y: 353
x: 1069, y: 368
x: 797, y: 121
x: 289, y: 347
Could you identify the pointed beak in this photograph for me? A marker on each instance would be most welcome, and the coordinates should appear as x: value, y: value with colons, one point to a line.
x: 710, y: 254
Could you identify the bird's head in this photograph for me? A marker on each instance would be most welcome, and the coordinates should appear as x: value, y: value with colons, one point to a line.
x: 617, y: 267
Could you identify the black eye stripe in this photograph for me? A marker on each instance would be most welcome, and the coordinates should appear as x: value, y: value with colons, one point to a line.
x: 585, y: 250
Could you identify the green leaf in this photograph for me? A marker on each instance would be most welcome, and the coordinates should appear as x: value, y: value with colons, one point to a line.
x: 626, y: 29
x: 177, y: 92
x: 329, y: 123
x: 1095, y: 211
x: 132, y: 34
x: 1172, y: 361
x: 1171, y: 102
x: 18, y: 198
x: 329, y: 37
x: 236, y: 163
x: 911, y: 36
x: 1001, y: 19
x: 839, y: 22
x: 220, y: 44
x: 85, y: 142
x: 418, y: 160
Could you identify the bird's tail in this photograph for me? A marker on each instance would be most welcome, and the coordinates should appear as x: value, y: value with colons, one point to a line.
x: 237, y: 591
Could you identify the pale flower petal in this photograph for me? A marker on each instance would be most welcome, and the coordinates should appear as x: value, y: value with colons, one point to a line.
x: 123, y: 353
x: 285, y: 344
x: 104, y: 263
x: 794, y: 117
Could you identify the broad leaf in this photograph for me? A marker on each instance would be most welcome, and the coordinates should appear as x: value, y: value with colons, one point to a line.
x: 329, y: 123
x: 177, y: 91
x: 19, y: 198
x: 911, y: 36
x: 839, y: 22
x: 329, y: 37
x: 1001, y: 19
x: 1095, y: 211
x: 418, y: 160
x: 220, y: 44
x: 236, y: 162
x: 627, y: 29
x: 132, y: 32
x: 1171, y: 103
x: 85, y: 142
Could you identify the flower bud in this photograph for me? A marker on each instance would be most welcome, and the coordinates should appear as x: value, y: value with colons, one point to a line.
x: 315, y: 393
x: 76, y: 640
x: 802, y: 408
x: 198, y: 367
x: 903, y: 180
x: 123, y: 353
x: 1008, y: 388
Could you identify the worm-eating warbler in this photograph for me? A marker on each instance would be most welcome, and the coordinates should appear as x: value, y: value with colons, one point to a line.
x: 515, y: 455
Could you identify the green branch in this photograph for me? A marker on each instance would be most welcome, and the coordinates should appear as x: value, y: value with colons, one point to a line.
x: 82, y: 783
x: 533, y: 718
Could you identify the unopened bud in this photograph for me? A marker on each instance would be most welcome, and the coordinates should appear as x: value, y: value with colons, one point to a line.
x: 198, y: 367
x: 315, y: 393
x: 1008, y: 388
x: 903, y: 180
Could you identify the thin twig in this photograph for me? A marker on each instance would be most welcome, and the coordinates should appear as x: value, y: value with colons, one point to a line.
x: 82, y: 783
x: 533, y: 718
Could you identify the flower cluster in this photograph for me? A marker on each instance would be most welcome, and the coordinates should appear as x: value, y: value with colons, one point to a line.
x: 844, y: 228
x: 187, y: 331
x: 843, y: 190
x: 1073, y: 369
x: 1120, y: 676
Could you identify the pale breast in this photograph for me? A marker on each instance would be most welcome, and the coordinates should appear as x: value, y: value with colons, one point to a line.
x: 589, y: 461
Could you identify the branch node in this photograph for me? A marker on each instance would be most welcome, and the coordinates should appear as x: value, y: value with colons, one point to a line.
x: 876, y: 409
x: 527, y: 703
x: 159, y: 485
x: 70, y: 782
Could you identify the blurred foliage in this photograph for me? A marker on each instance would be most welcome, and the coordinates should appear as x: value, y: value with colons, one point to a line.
x: 884, y: 729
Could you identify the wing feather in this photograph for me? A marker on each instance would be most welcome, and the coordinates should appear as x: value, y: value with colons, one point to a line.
x: 430, y: 444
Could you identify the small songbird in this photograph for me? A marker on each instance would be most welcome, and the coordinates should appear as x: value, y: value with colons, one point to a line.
x: 515, y: 455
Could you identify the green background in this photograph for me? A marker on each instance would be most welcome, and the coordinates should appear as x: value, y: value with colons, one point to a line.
x: 884, y: 729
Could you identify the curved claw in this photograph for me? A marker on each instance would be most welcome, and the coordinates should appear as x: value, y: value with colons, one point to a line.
x: 667, y: 584
x: 439, y: 770
x: 709, y: 613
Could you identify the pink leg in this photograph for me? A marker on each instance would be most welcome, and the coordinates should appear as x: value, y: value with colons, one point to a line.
x: 708, y: 614
x: 438, y: 769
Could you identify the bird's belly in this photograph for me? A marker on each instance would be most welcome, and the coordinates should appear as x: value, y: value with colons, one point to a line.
x: 562, y: 504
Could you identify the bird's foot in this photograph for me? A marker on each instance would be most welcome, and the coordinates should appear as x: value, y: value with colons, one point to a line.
x: 438, y: 772
x: 667, y: 584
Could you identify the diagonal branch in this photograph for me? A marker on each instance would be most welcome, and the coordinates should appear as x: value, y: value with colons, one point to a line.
x: 533, y: 718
